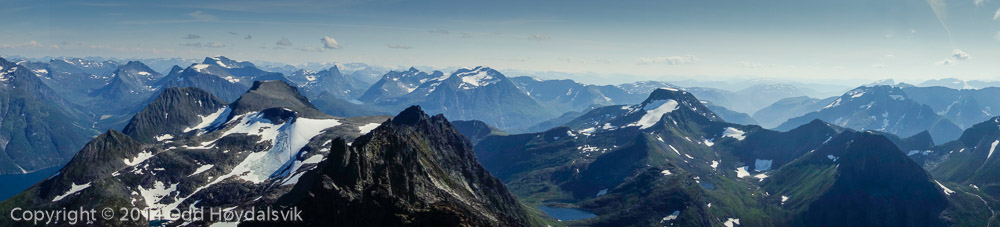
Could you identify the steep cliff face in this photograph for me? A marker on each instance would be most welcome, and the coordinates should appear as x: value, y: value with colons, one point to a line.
x: 412, y: 170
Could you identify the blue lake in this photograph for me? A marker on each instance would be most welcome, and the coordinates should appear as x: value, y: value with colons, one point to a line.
x: 16, y: 183
x: 707, y: 185
x: 566, y: 214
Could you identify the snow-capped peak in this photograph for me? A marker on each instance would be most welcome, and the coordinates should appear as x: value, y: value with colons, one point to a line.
x: 479, y: 76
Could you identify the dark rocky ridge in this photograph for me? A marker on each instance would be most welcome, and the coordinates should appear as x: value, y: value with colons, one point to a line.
x: 414, y: 170
x: 172, y: 112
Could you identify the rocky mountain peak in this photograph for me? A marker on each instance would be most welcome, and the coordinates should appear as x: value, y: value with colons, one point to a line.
x: 275, y: 93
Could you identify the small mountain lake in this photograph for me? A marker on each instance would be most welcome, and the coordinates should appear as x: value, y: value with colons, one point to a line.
x: 16, y: 183
x: 566, y: 214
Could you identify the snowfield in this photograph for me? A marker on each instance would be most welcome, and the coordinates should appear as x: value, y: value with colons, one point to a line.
x: 654, y: 111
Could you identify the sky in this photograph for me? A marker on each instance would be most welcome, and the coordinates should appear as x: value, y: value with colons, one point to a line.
x: 602, y: 42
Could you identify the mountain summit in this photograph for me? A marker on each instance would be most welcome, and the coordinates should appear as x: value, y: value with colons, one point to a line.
x: 275, y: 93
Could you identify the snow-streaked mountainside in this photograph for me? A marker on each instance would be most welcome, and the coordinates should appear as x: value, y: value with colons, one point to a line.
x: 268, y: 150
x: 881, y: 108
x: 420, y: 166
x: 214, y: 155
x: 670, y: 161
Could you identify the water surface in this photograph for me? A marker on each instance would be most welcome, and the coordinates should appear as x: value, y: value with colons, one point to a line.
x: 16, y: 183
x: 566, y: 214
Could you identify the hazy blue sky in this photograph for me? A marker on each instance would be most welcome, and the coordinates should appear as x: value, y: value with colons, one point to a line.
x: 672, y: 39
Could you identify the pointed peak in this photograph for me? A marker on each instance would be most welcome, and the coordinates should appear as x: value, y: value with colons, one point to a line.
x: 413, y: 69
x: 133, y: 64
x: 175, y: 69
x: 814, y: 125
x: 410, y: 116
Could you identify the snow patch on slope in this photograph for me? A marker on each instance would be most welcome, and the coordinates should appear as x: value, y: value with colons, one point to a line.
x: 733, y: 133
x: 73, y: 189
x: 654, y: 111
x: 368, y: 127
x: 742, y: 172
x: 210, y: 120
x: 139, y: 158
x: 946, y: 190
x: 992, y: 147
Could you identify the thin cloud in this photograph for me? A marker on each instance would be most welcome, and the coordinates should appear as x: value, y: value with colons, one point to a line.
x: 329, y: 43
x: 200, y: 16
x: 466, y: 35
x: 192, y: 36
x: 214, y: 45
x: 248, y: 37
x: 996, y: 16
x: 29, y: 44
x: 979, y: 2
x: 670, y: 60
x: 539, y: 37
x: 440, y: 31
x: 205, y: 45
x: 233, y: 33
x: 753, y: 65
x: 959, y: 55
x: 399, y: 46
x: 310, y: 49
x: 283, y: 42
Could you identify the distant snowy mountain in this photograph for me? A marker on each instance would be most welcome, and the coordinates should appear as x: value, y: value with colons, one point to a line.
x: 474, y: 93
x: 959, y: 84
x: 330, y: 81
x: 396, y: 84
x: 964, y: 107
x: 881, y: 108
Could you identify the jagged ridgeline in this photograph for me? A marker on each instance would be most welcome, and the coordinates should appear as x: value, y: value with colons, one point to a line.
x: 671, y: 161
x: 272, y: 148
x: 413, y: 170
